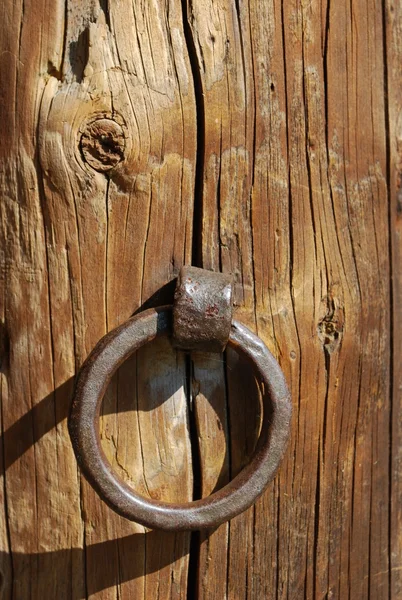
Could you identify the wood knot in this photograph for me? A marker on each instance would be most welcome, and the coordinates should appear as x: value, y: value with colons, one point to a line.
x: 330, y: 327
x: 102, y: 144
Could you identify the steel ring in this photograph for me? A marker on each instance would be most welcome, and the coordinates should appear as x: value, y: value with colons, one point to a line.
x: 238, y: 495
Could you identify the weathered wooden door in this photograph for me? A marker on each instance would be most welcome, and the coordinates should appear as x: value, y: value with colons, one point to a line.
x: 261, y: 138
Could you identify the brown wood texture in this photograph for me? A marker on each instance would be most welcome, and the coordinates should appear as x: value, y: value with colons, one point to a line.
x: 81, y: 252
x: 394, y: 93
x: 261, y: 138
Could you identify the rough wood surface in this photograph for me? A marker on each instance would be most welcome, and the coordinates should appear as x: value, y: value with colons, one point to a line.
x: 261, y: 138
x: 295, y: 203
x: 394, y: 91
x: 81, y: 251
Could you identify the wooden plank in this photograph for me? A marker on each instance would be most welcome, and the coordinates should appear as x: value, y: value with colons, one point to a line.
x: 40, y: 479
x: 295, y: 177
x: 393, y: 19
x: 295, y: 203
x: 225, y: 109
x: 82, y: 250
x: 358, y: 171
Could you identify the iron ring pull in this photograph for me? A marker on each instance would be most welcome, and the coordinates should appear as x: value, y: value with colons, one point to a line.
x: 238, y: 495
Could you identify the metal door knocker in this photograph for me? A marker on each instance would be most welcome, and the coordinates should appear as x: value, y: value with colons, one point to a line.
x: 200, y: 318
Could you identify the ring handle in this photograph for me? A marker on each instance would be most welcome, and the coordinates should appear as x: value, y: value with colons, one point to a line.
x: 238, y: 495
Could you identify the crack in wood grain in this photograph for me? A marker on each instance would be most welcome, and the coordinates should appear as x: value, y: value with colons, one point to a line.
x: 200, y: 115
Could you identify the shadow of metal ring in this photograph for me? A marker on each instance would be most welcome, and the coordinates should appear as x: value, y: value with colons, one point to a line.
x: 238, y: 495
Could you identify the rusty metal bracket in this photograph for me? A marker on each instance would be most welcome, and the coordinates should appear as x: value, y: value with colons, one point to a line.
x: 202, y: 310
x: 112, y: 350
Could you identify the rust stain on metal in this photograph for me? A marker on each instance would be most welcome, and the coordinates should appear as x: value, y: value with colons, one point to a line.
x: 202, y: 310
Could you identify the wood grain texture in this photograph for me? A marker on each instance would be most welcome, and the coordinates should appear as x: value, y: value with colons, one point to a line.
x: 261, y: 138
x: 393, y: 16
x: 295, y: 204
x: 82, y: 251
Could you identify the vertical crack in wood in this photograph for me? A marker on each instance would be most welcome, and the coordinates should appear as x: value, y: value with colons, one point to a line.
x: 193, y: 566
x: 253, y: 169
x: 391, y: 49
x: 196, y: 260
x: 392, y: 284
x: 107, y: 252
x: 193, y: 431
x: 317, y: 512
x: 84, y: 539
x: 200, y: 115
x: 6, y: 507
x: 291, y: 227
